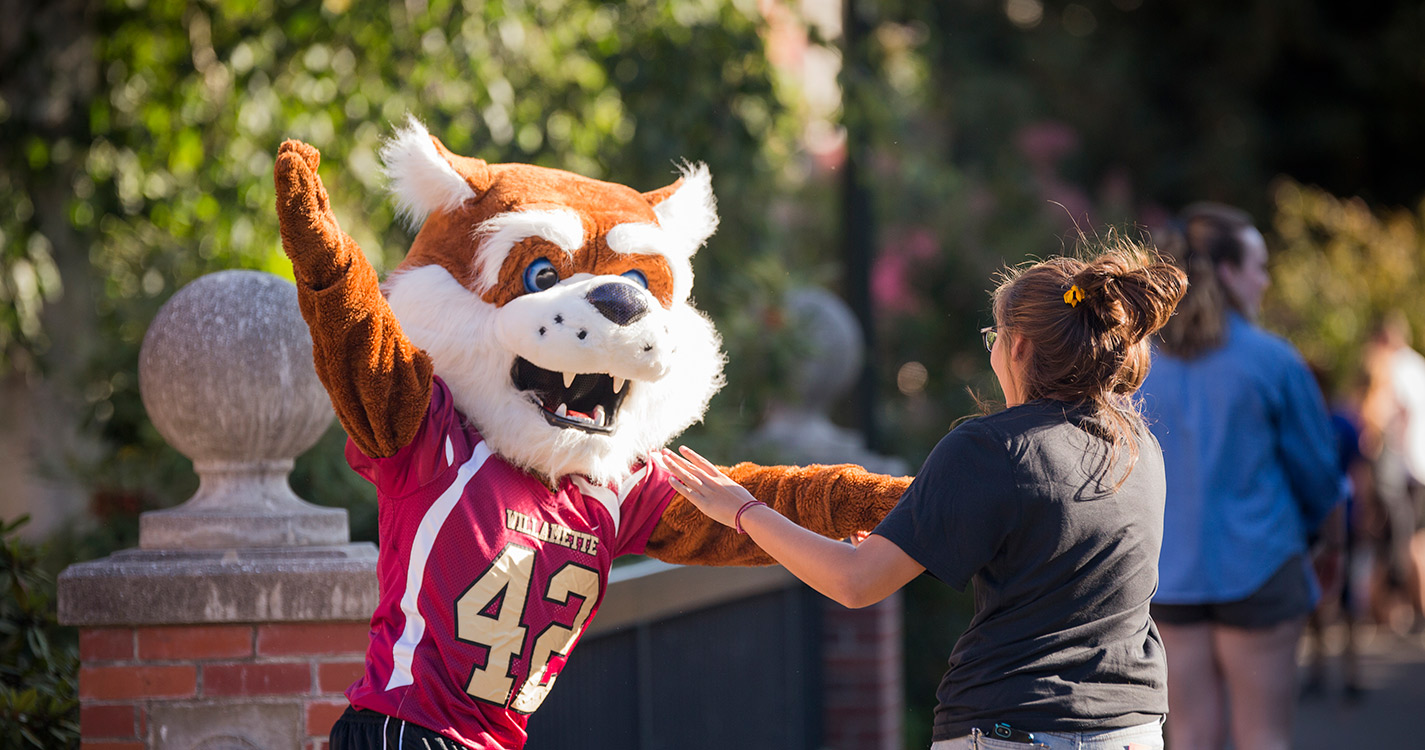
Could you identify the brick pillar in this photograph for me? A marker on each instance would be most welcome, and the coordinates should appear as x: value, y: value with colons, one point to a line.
x: 862, y: 668
x: 288, y: 677
x: 243, y: 614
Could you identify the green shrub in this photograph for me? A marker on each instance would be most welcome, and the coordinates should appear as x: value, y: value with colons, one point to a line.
x: 39, y: 660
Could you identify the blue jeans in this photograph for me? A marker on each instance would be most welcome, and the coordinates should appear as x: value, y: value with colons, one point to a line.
x: 1142, y: 737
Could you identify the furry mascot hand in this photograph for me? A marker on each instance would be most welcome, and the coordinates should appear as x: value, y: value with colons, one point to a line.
x: 379, y: 381
x: 504, y: 394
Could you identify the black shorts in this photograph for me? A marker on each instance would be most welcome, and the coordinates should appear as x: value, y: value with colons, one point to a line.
x: 1286, y: 595
x: 359, y: 729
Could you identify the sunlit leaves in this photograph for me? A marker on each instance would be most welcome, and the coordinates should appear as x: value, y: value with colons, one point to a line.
x: 167, y: 166
x: 1339, y: 268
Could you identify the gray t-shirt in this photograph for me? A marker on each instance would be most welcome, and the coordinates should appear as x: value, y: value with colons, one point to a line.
x: 1064, y: 564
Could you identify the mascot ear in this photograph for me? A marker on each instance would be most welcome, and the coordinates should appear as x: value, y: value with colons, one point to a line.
x: 687, y: 209
x: 424, y: 176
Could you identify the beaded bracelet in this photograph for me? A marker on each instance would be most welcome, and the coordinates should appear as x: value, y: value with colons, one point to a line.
x: 737, y: 519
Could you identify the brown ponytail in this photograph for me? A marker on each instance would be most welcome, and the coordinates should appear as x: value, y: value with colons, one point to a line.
x: 1087, y: 320
x: 1204, y: 236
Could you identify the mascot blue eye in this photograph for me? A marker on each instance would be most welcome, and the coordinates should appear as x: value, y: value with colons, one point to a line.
x: 636, y: 277
x: 540, y: 275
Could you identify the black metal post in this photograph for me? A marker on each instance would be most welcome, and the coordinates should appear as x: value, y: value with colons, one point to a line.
x: 858, y: 233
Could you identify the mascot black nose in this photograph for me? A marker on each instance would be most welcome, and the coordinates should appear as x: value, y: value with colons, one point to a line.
x: 617, y: 301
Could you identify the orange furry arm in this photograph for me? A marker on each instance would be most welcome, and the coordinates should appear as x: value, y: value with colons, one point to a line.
x: 834, y: 501
x: 379, y: 382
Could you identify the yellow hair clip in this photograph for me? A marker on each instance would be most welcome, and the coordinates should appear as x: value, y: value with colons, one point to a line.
x: 1074, y: 296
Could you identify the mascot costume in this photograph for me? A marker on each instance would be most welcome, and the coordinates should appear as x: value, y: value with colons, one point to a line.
x: 504, y: 391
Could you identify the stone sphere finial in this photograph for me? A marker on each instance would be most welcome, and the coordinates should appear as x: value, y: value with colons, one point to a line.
x: 798, y: 428
x: 226, y: 375
x: 835, y: 350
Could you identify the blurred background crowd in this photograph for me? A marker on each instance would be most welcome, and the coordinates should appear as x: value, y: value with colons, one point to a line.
x: 896, y: 153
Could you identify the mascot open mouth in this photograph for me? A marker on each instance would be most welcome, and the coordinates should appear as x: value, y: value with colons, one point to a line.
x: 584, y: 401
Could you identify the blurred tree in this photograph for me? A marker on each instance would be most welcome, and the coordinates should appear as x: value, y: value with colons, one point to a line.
x: 1000, y: 129
x: 1338, y: 267
x: 1181, y: 101
x: 136, y: 142
x: 48, y: 324
x: 145, y: 154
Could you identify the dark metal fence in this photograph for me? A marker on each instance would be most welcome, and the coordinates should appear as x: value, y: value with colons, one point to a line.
x: 740, y: 670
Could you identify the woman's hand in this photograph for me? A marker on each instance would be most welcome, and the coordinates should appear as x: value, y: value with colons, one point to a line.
x: 699, y: 480
x: 857, y: 574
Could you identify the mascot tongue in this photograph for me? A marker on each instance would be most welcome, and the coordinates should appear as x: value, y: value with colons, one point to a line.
x: 588, y: 397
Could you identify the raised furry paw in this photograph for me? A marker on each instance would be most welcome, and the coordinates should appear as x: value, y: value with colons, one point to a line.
x: 310, y: 234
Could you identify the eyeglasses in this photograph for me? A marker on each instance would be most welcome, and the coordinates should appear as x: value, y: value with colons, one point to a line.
x: 989, y: 334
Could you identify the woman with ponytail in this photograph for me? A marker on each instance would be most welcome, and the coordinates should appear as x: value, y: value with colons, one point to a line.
x: 1052, y: 508
x: 1252, y: 472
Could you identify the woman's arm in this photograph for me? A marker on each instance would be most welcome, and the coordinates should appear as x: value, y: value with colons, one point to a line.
x: 854, y: 576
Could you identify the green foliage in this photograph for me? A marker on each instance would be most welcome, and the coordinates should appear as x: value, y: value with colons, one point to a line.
x: 39, y: 661
x: 995, y: 130
x: 138, y: 140
x: 1175, y: 102
x: 988, y: 130
x: 1338, y: 267
x: 163, y: 170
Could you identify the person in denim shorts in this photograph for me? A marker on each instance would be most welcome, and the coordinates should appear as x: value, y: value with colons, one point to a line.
x: 1252, y: 472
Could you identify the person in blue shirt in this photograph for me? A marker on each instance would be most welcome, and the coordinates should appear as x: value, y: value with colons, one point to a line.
x: 1251, y: 470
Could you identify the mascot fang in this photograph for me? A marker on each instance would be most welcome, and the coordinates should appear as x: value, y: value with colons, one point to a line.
x: 504, y: 392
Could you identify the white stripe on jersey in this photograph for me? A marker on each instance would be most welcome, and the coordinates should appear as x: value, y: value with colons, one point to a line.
x: 403, y: 651
x: 630, y: 483
x: 604, y: 495
x: 607, y: 498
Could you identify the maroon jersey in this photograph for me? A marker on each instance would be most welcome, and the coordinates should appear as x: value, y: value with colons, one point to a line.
x: 487, y: 577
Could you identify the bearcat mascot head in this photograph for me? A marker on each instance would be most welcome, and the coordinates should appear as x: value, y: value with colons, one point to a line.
x: 568, y: 339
